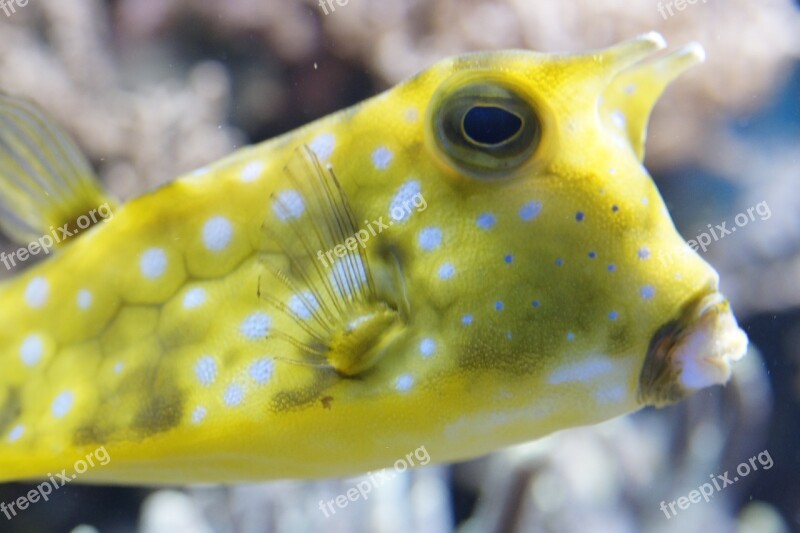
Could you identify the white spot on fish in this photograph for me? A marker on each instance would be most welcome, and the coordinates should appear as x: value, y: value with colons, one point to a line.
x: 582, y: 371
x: 256, y: 326
x: 427, y: 347
x: 261, y: 370
x: 530, y: 210
x: 643, y: 253
x: 289, y: 204
x: 447, y: 271
x: 16, y: 433
x: 401, y: 205
x: 404, y: 382
x: 32, y: 350
x: 618, y: 118
x: 486, y: 221
x: 62, y: 404
x: 347, y: 275
x: 153, y: 263
x: 252, y: 171
x: 199, y: 414
x: 194, y: 298
x: 36, y: 292
x: 611, y: 394
x: 234, y: 395
x: 118, y: 368
x: 323, y: 145
x: 217, y: 233
x: 411, y: 114
x: 382, y: 157
x: 84, y: 299
x: 303, y: 305
x: 206, y: 370
x: 429, y: 238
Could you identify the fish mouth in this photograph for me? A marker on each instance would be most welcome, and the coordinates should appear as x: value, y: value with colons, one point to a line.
x: 693, y: 352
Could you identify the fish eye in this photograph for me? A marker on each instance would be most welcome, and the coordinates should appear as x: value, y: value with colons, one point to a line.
x: 486, y: 128
x: 490, y: 125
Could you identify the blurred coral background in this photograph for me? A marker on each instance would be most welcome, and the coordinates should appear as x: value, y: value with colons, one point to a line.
x: 151, y: 89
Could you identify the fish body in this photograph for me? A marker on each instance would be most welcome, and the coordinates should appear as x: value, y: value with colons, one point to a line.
x: 463, y: 262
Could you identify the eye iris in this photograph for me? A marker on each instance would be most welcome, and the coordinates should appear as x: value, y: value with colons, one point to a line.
x: 490, y: 125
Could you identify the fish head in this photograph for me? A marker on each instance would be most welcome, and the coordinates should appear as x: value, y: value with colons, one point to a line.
x: 546, y: 253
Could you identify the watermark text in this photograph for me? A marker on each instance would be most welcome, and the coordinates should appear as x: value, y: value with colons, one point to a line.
x: 43, y: 490
x: 326, y: 5
x: 374, y: 480
x: 360, y: 238
x: 718, y: 231
x: 680, y: 5
x: 720, y: 481
x: 57, y: 235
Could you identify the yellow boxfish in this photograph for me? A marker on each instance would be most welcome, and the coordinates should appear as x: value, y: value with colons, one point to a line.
x: 463, y: 262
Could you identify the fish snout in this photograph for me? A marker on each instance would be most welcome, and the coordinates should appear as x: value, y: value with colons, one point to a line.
x: 693, y: 352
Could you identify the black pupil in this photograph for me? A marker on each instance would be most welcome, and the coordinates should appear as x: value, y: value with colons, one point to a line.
x: 490, y: 125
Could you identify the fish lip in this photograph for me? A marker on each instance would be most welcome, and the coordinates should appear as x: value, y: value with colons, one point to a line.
x: 692, y: 352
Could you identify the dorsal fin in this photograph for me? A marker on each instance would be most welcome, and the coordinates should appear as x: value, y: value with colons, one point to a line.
x: 45, y: 182
x: 347, y: 323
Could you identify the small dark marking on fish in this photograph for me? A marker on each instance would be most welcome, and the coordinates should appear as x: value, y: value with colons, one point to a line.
x: 326, y: 402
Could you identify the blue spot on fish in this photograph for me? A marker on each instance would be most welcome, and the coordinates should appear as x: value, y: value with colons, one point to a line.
x: 530, y: 210
x: 382, y: 157
x: 427, y: 347
x: 447, y: 271
x: 430, y: 238
x: 648, y: 291
x: 486, y: 221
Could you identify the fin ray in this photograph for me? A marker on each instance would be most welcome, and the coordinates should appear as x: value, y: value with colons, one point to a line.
x: 44, y: 179
x: 351, y: 320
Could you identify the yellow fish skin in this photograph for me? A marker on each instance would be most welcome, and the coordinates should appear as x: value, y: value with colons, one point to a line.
x: 230, y: 326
